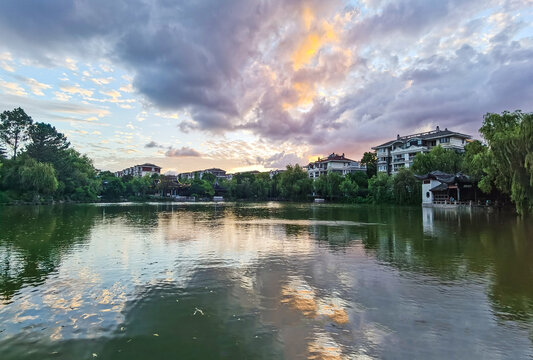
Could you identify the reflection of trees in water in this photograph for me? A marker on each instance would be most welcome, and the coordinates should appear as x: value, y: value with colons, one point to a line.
x: 33, y: 240
x: 511, y: 251
x: 450, y: 248
x: 451, y: 245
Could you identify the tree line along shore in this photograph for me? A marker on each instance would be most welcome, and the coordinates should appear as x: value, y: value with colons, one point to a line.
x: 38, y: 165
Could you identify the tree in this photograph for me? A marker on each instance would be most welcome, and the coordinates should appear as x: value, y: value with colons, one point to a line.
x: 475, y: 160
x: 138, y: 186
x: 360, y: 178
x: 14, y: 128
x: 77, y: 176
x: 201, y: 188
x: 113, y: 188
x: 38, y: 177
x: 261, y: 186
x: 348, y: 188
x: 240, y: 186
x: 406, y: 188
x: 380, y: 188
x: 509, y: 162
x: 370, y: 160
x: 209, y: 177
x: 45, y: 142
x: 2, y: 152
x: 328, y: 185
x: 439, y: 158
x: 294, y: 183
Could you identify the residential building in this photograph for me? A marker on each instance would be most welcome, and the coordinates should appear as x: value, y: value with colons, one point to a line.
x: 219, y: 173
x: 139, y: 170
x: 333, y: 163
x: 399, y: 153
x: 273, y: 173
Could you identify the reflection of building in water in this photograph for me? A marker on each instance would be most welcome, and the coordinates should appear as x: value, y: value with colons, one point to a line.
x: 440, y: 221
x: 427, y: 219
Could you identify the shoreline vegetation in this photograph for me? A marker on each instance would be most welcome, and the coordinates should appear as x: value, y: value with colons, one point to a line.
x: 38, y: 166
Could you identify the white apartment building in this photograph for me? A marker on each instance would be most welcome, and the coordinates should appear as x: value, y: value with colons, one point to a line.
x: 219, y: 173
x: 139, y: 170
x: 333, y: 163
x: 399, y: 153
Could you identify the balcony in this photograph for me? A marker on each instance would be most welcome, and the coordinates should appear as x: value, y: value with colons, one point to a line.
x: 398, y: 160
x: 410, y: 149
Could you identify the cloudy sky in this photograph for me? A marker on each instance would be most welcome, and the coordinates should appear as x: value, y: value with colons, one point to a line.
x: 246, y: 84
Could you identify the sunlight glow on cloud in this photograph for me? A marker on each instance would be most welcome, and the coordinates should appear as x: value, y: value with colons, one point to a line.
x: 262, y: 84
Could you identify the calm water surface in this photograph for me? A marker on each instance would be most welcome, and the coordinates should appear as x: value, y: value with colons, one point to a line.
x: 263, y: 281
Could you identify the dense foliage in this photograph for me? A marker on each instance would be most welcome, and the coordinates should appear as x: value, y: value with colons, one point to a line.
x: 43, y: 166
x: 445, y: 160
x: 508, y: 161
x: 371, y: 161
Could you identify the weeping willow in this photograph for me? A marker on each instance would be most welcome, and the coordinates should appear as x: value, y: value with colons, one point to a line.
x: 510, y: 167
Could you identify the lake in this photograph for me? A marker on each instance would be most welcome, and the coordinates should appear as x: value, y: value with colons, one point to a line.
x: 264, y: 281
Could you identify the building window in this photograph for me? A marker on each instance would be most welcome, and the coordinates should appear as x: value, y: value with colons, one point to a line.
x: 427, y: 194
x: 444, y: 140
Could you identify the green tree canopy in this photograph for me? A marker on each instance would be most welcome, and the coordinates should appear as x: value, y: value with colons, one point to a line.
x: 76, y: 175
x: 446, y: 160
x: 360, y: 178
x: 139, y: 186
x: 294, y: 183
x: 113, y: 188
x: 380, y: 188
x: 210, y: 178
x: 509, y: 162
x: 406, y: 188
x: 201, y: 188
x: 45, y: 142
x: 38, y: 177
x: 370, y: 160
x: 348, y: 188
x: 475, y: 160
x: 14, y: 128
x: 328, y: 185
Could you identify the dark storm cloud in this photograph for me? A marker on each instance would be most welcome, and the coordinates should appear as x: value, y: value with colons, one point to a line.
x: 228, y: 63
x: 43, y: 29
x: 453, y: 92
x: 185, y: 55
x: 411, y: 18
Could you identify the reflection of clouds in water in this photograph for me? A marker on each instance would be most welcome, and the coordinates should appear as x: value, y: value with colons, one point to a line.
x: 326, y: 290
x: 299, y: 295
x: 323, y: 347
x: 75, y: 303
x: 234, y: 243
x: 89, y: 291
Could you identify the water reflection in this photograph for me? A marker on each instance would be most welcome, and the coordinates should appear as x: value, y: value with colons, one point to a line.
x: 263, y: 281
x: 33, y: 241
